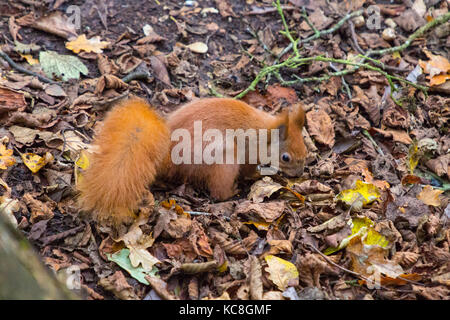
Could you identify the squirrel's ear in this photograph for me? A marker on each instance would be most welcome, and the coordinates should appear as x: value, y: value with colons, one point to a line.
x: 297, y: 115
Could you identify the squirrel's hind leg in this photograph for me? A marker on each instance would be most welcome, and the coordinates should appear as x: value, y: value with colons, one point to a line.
x: 222, y: 181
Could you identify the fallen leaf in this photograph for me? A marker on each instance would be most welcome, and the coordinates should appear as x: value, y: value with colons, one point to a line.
x: 88, y: 45
x: 363, y: 192
x: 262, y: 189
x: 6, y: 157
x: 321, y: 127
x: 64, y: 66
x: 437, y: 68
x: 198, y: 47
x: 35, y: 162
x: 430, y: 196
x: 8, y: 207
x: 281, y: 272
x: 140, y: 256
x: 122, y: 259
x: 118, y: 285
x: 56, y: 23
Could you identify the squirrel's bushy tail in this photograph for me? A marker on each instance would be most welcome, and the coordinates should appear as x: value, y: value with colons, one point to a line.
x: 130, y: 146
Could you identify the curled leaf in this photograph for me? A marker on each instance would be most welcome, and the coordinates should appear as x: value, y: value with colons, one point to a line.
x: 281, y: 272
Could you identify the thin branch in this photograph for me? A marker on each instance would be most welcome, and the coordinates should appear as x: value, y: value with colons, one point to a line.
x: 23, y: 70
x: 296, y: 60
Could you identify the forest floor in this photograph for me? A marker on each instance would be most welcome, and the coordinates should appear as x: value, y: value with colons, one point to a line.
x: 368, y: 220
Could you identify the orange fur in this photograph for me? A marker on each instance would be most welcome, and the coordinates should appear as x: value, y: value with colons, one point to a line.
x: 134, y: 147
x: 131, y: 145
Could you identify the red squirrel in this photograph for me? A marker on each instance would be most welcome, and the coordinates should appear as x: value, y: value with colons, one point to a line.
x: 135, y: 147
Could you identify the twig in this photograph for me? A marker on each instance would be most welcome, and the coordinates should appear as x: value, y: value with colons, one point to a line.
x: 369, y: 136
x: 439, y: 20
x: 61, y: 235
x: 335, y: 27
x: 295, y: 60
x: 354, y: 39
x: 268, y: 10
x: 136, y: 75
x: 23, y: 70
x: 352, y: 272
x: 344, y: 84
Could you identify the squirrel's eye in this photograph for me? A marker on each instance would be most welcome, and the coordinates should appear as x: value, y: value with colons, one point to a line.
x: 286, y: 157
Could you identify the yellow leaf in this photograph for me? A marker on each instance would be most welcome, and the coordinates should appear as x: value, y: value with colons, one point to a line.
x: 222, y: 268
x: 89, y: 45
x: 6, y: 158
x: 29, y: 59
x: 259, y: 225
x: 413, y: 156
x: 83, y: 160
x: 281, y: 272
x: 262, y: 225
x: 439, y: 79
x: 363, y: 192
x: 430, y: 196
x: 396, y: 55
x: 35, y: 162
x: 362, y: 228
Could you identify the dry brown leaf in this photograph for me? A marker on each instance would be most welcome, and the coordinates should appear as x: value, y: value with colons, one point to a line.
x: 127, y: 63
x: 396, y: 135
x: 151, y: 36
x: 160, y: 70
x: 106, y: 66
x: 56, y: 23
x: 14, y: 29
x: 267, y: 212
x: 39, y: 210
x: 321, y: 127
x: 440, y: 165
x: 279, y: 247
x: 430, y: 196
x: 318, y: 19
x: 281, y: 272
x: 262, y: 189
x: 199, y: 240
x: 160, y: 287
x: 438, y: 68
x: 109, y: 81
x: 225, y: 8
x: 255, y: 279
x: 311, y: 267
x: 276, y: 94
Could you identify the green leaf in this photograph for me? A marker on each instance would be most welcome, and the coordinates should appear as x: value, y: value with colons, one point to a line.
x: 122, y: 259
x: 64, y: 66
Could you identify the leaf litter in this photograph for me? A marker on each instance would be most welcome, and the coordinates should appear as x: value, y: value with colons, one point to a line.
x: 373, y: 204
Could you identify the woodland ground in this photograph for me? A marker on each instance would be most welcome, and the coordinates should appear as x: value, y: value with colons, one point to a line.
x: 269, y: 241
